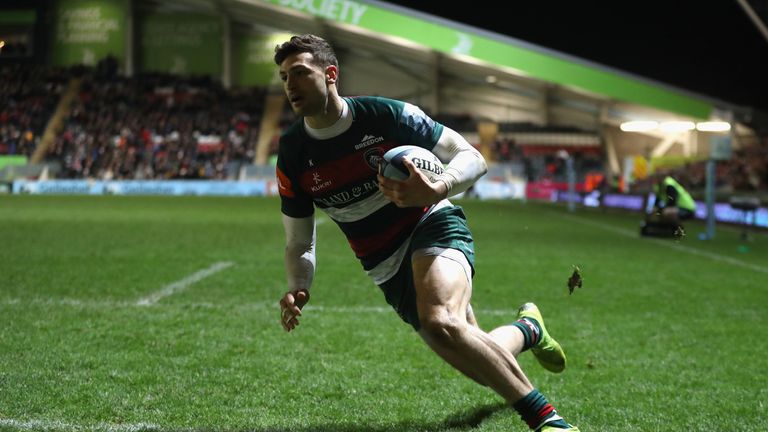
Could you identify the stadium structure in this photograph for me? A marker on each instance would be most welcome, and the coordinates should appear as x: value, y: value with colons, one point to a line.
x: 142, y: 256
x: 531, y: 110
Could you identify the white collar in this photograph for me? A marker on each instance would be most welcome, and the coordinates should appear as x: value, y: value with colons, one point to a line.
x: 342, y: 124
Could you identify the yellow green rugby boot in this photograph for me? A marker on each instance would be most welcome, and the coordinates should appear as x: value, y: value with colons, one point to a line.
x: 547, y: 350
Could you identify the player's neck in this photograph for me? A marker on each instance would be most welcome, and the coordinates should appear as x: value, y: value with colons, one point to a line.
x: 330, y: 114
x: 339, y: 127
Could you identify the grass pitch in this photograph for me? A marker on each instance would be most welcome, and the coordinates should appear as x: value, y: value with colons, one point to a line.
x: 663, y: 335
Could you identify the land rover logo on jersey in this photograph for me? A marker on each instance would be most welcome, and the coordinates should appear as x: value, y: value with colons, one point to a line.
x: 349, y: 195
x: 373, y: 156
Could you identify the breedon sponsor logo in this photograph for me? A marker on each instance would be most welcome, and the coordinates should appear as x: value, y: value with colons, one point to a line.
x: 368, y: 140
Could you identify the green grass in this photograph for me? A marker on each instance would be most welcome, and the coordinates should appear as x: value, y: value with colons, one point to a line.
x: 663, y: 335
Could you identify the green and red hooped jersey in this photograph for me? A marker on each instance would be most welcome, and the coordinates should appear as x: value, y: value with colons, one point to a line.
x: 338, y: 175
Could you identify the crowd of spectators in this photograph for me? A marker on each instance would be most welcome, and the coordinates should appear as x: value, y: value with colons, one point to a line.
x: 548, y: 162
x: 748, y: 168
x: 28, y: 97
x: 157, y: 126
x: 746, y: 171
x: 161, y: 126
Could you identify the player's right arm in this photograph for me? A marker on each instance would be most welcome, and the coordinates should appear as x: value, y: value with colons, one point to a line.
x: 299, y: 222
x: 300, y: 261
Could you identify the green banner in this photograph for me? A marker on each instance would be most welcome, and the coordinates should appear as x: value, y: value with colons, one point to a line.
x: 253, y: 59
x: 501, y: 52
x: 18, y: 17
x: 12, y: 160
x: 86, y: 31
x: 181, y: 44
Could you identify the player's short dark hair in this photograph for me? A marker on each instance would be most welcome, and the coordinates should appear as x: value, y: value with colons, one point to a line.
x: 321, y: 50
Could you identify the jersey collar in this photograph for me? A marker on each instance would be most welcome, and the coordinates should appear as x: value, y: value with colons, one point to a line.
x: 342, y: 124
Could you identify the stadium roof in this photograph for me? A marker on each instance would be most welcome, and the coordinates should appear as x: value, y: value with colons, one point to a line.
x: 393, y: 30
x: 718, y: 49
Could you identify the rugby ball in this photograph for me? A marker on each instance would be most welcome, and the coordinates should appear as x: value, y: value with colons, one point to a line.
x: 391, y: 164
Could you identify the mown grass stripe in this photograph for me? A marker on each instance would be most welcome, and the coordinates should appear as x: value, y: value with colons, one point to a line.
x: 54, y: 425
x: 667, y: 243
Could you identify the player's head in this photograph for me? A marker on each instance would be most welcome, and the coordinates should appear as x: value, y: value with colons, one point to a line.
x: 322, y: 51
x: 309, y: 71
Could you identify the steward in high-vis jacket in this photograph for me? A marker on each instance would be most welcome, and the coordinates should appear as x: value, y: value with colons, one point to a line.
x: 672, y: 204
x: 670, y: 195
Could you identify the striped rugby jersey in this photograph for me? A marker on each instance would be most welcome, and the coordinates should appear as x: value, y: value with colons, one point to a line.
x: 338, y: 176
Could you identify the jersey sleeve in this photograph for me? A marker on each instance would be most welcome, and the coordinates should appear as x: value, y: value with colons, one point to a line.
x: 415, y: 127
x: 294, y: 202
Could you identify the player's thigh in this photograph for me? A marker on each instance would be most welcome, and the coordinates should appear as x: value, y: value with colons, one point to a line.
x: 442, y: 287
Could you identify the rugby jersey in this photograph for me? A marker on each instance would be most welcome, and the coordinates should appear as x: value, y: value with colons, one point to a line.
x: 338, y: 176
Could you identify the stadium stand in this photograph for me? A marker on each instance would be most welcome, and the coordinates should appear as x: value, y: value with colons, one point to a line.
x: 28, y: 97
x: 157, y: 126
x: 163, y: 126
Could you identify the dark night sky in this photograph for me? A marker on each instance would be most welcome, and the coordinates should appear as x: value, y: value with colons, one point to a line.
x: 708, y: 47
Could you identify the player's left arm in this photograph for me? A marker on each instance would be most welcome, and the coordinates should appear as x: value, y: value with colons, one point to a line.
x: 465, y: 165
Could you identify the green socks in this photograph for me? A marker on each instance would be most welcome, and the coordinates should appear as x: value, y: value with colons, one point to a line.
x: 531, y: 331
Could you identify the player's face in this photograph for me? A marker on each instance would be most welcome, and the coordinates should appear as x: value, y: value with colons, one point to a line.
x: 305, y: 84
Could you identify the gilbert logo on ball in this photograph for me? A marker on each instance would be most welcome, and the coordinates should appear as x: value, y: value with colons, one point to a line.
x: 391, y: 165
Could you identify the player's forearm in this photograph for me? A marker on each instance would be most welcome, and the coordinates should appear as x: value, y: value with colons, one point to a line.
x: 299, y: 267
x: 465, y: 164
x: 299, y: 252
x: 462, y: 172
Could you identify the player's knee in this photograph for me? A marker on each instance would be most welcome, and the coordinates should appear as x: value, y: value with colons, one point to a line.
x: 443, y: 328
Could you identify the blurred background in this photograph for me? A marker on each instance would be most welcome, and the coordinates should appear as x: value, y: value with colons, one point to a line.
x: 570, y: 103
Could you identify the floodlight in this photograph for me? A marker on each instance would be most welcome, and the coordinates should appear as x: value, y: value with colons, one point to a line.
x: 677, y: 126
x: 713, y: 126
x: 639, y: 126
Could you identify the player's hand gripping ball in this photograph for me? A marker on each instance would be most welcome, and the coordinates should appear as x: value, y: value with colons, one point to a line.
x: 391, y: 165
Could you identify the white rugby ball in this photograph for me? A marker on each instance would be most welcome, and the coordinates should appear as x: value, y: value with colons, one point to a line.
x: 391, y: 165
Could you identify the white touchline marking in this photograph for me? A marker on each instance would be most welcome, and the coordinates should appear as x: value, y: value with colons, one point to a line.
x: 676, y: 246
x: 112, y: 304
x: 183, y: 284
x: 61, y: 426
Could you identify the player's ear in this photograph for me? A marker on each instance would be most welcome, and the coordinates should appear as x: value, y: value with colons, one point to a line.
x: 331, y: 74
